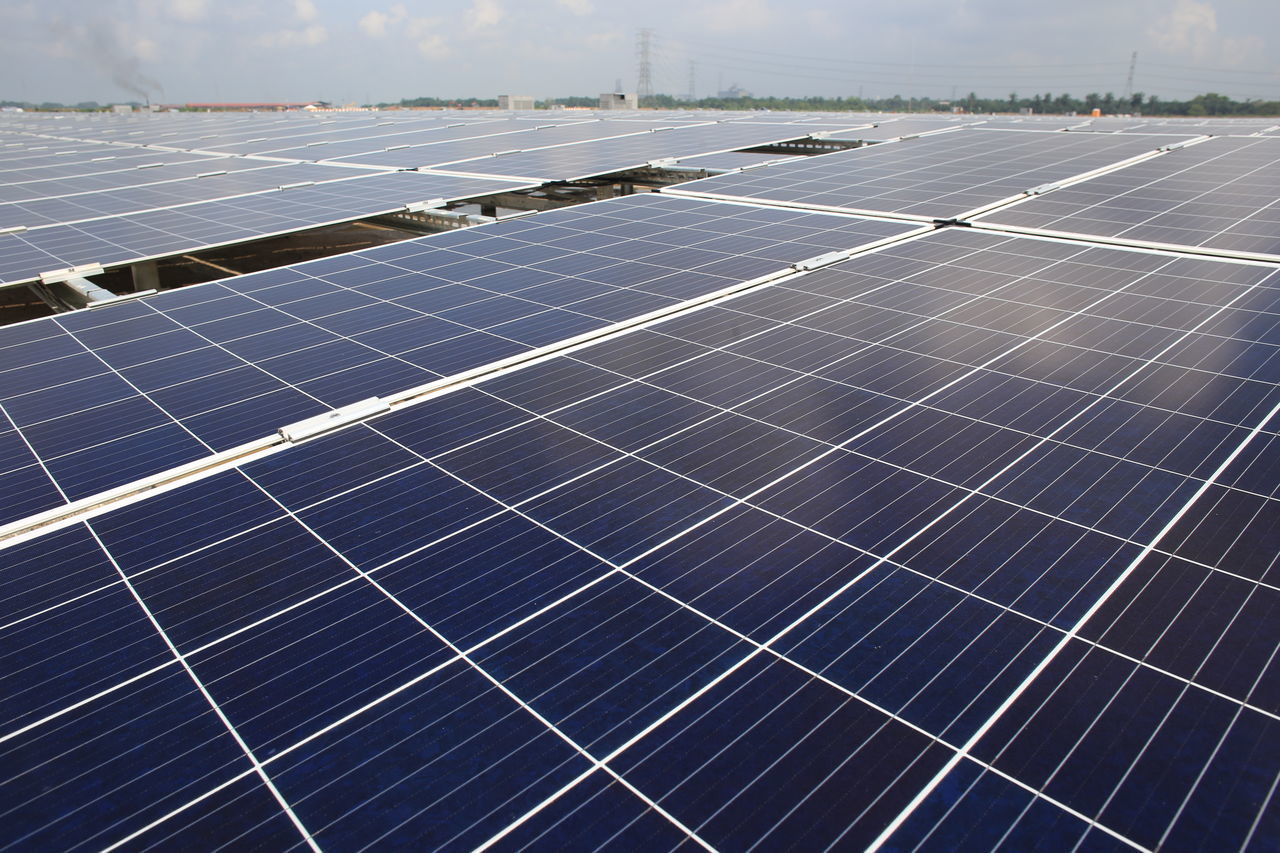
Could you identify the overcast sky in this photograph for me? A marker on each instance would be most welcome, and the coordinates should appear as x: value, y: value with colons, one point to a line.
x: 375, y: 50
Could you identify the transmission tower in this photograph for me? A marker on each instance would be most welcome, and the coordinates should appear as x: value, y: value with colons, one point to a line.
x: 693, y: 81
x: 644, y: 66
x: 1128, y: 85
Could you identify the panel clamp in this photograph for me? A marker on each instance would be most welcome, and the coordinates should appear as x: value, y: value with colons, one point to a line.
x: 820, y: 261
x: 419, y: 206
x: 330, y: 421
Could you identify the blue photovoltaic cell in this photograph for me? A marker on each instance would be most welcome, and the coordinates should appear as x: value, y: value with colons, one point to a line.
x: 934, y: 176
x: 969, y: 538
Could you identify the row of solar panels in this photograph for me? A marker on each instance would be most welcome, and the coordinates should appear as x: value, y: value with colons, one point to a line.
x: 975, y: 520
x: 1196, y: 195
x: 966, y: 541
x: 65, y: 206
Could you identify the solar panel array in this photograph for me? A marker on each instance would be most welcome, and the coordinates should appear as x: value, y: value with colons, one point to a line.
x: 118, y: 178
x: 936, y: 176
x: 877, y: 536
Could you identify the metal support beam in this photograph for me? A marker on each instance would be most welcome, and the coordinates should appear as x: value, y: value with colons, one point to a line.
x: 146, y: 276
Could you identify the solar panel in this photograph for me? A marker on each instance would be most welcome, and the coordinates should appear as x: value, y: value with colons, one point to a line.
x: 139, y: 197
x: 937, y: 176
x: 1218, y: 194
x: 207, y: 368
x: 429, y: 153
x: 884, y: 552
x: 583, y: 159
x: 200, y: 225
x: 166, y: 167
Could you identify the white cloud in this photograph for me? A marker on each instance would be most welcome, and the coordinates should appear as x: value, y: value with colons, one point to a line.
x: 423, y: 32
x: 188, y: 10
x: 308, y: 36
x: 1189, y: 29
x: 577, y: 7
x: 305, y: 10
x: 484, y: 14
x: 426, y: 37
x: 374, y: 24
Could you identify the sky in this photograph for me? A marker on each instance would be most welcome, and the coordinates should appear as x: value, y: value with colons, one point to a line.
x: 368, y: 51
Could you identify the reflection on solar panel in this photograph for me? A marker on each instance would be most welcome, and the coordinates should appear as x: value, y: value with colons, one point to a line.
x: 934, y: 176
x: 1218, y: 194
x: 741, y: 577
x: 207, y: 368
x: 959, y: 540
x: 190, y: 227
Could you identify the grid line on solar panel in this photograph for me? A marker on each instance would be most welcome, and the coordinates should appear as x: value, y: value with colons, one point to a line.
x: 946, y: 175
x: 204, y: 692
x: 459, y: 655
x: 1219, y: 193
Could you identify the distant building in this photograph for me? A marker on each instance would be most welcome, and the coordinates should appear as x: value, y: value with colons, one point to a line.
x: 619, y: 101
x: 733, y: 92
x: 121, y: 108
x: 257, y: 106
x: 515, y: 102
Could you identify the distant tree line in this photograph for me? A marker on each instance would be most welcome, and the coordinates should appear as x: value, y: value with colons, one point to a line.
x: 1209, y: 104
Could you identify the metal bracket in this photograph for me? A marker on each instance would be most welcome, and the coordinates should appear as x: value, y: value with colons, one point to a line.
x: 820, y: 261
x: 211, y: 174
x: 330, y: 421
x: 82, y: 271
x: 419, y: 206
x: 661, y: 163
x: 1042, y: 189
x: 296, y: 186
x: 13, y: 229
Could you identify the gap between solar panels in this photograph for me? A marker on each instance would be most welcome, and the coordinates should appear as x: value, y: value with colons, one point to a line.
x: 289, y: 435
